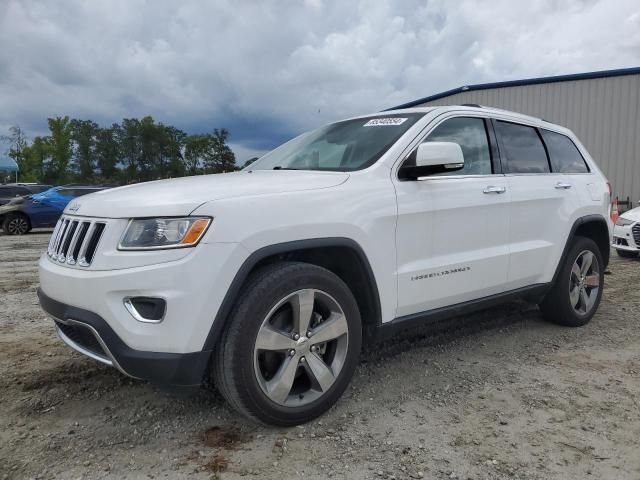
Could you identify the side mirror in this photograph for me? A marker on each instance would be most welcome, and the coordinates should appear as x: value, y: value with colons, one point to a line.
x: 433, y: 157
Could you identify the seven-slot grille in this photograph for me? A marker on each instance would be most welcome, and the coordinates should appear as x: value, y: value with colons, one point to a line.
x: 636, y: 233
x: 74, y: 241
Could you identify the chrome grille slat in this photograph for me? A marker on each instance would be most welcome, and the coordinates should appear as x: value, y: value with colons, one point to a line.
x: 636, y: 233
x: 75, y: 240
x: 63, y: 230
x: 54, y: 237
x: 83, y: 249
x: 71, y: 233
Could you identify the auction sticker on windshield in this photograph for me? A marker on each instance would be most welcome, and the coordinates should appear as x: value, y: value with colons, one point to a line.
x: 375, y: 122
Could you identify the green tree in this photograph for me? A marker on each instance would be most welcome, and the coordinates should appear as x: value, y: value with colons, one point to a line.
x: 60, y: 142
x: 84, y: 136
x: 171, y: 141
x: 107, y: 152
x: 219, y: 157
x: 128, y: 136
x: 36, y: 156
x: 196, y: 148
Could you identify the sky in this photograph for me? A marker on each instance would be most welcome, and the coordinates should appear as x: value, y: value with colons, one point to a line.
x: 269, y: 70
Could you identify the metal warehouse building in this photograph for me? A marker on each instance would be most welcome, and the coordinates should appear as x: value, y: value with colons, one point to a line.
x: 602, y: 108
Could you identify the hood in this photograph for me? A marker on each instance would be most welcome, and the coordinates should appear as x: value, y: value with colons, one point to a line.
x: 633, y: 215
x: 181, y: 196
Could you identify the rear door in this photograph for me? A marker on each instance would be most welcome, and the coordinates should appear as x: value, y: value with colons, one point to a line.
x: 452, y: 230
x: 542, y: 204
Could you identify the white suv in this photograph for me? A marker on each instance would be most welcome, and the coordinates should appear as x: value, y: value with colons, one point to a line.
x: 266, y: 281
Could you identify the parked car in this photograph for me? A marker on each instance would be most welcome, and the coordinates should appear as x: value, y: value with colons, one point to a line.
x: 10, y: 192
x: 626, y: 234
x: 39, y: 210
x: 266, y: 281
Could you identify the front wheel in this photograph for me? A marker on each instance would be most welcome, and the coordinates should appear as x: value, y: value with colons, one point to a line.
x: 15, y: 224
x: 290, y: 346
x: 575, y: 296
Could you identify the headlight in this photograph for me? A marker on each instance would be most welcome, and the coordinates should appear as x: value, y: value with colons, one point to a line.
x: 623, y: 222
x: 159, y: 233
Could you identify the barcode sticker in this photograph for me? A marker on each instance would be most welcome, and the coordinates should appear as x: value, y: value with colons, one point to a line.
x: 376, y: 122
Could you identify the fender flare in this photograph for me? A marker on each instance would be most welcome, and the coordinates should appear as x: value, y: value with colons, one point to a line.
x: 594, y: 218
x: 244, y: 271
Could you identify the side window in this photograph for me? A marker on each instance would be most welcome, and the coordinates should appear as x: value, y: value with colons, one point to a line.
x: 564, y: 155
x: 522, y: 147
x: 471, y: 134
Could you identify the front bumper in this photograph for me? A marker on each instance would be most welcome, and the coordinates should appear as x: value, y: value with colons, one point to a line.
x: 626, y: 237
x: 91, y: 335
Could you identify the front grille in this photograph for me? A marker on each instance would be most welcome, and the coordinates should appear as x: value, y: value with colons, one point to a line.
x: 74, y: 241
x: 83, y: 337
x: 636, y: 233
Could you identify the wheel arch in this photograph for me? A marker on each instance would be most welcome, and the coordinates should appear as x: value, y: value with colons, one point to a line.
x: 594, y: 227
x: 337, y: 254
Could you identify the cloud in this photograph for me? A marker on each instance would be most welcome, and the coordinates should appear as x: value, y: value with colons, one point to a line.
x: 269, y: 70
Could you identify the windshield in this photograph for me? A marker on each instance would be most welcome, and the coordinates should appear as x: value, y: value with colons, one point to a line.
x: 343, y: 146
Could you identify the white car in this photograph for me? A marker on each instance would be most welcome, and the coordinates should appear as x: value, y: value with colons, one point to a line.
x: 268, y: 280
x: 626, y: 234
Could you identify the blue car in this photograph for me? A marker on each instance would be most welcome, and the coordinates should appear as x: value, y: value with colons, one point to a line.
x: 40, y: 210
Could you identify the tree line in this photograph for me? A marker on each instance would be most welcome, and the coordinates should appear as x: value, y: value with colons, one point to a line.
x: 134, y: 150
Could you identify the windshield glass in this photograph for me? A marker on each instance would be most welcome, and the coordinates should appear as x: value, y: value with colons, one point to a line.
x: 342, y: 146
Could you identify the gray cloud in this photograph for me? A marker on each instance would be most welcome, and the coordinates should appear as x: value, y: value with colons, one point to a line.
x: 268, y: 70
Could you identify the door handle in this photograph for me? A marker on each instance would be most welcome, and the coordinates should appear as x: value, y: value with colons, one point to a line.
x: 493, y: 189
x: 563, y: 185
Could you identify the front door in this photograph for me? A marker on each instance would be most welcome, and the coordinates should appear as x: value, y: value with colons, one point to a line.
x: 452, y: 231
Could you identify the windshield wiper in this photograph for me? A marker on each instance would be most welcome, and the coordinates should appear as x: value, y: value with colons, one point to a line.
x: 278, y: 167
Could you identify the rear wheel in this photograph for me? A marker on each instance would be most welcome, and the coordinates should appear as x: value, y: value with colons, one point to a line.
x: 290, y: 346
x: 627, y: 254
x: 575, y: 296
x: 16, y: 224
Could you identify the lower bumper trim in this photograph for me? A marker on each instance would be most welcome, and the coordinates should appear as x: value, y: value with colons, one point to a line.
x: 179, y: 369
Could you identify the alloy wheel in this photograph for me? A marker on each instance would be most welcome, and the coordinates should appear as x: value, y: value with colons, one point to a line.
x: 584, y: 282
x: 301, y: 347
x: 17, y: 226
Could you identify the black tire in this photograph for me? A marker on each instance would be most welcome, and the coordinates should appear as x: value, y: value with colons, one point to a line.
x: 233, y: 369
x: 16, y: 224
x: 556, y: 306
x: 627, y: 254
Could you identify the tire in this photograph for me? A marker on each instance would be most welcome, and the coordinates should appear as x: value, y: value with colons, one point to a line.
x: 16, y: 224
x: 255, y: 380
x: 627, y: 254
x: 559, y: 305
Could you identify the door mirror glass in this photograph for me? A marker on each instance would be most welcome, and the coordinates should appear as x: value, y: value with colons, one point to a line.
x: 433, y: 157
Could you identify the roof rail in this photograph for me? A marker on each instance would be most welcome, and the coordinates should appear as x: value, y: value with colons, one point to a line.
x: 471, y: 105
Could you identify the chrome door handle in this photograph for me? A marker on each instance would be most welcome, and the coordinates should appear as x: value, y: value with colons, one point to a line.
x: 492, y: 189
x: 563, y: 185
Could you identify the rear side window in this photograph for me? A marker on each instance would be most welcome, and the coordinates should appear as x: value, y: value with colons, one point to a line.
x: 522, y: 147
x: 563, y: 154
x: 471, y: 134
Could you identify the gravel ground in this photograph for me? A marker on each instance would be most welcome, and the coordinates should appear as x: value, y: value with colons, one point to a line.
x: 500, y: 394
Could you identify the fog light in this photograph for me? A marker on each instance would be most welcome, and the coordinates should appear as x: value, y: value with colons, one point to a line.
x: 146, y: 309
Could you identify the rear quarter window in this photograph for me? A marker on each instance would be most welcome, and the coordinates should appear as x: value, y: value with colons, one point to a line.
x: 563, y: 153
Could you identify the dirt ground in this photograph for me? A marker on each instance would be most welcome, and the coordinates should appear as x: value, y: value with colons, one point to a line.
x: 501, y: 394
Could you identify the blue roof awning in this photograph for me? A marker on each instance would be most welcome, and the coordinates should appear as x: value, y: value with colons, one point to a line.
x: 8, y: 165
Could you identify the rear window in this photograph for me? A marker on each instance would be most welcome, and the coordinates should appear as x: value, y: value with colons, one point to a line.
x: 563, y: 154
x: 77, y: 192
x: 522, y: 147
x: 13, y: 191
